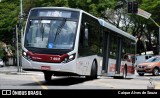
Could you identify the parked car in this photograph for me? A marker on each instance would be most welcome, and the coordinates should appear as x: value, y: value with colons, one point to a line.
x: 142, y: 58
x: 1, y: 63
x: 152, y: 65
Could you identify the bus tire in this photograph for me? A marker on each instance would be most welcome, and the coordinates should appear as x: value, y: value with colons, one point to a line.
x: 93, y: 74
x: 124, y: 72
x: 141, y: 74
x: 47, y: 76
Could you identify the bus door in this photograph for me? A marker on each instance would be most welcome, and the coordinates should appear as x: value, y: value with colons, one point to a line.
x: 105, y: 51
x: 119, y: 53
x: 114, y: 55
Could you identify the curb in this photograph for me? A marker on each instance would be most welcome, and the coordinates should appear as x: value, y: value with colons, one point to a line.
x: 15, y: 73
x: 20, y: 73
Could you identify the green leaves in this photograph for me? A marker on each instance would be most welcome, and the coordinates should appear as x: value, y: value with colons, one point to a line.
x: 8, y: 18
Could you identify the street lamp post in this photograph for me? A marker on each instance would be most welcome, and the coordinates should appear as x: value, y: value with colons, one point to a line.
x: 17, y: 49
x: 21, y: 23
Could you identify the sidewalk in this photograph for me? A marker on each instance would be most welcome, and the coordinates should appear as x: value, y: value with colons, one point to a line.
x: 14, y: 70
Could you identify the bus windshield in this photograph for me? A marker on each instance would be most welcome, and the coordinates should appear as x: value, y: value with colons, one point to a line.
x: 51, y: 34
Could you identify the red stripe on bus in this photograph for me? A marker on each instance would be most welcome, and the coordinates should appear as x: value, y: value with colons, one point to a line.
x: 47, y: 57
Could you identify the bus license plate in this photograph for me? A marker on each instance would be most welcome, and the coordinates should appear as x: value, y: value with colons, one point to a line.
x: 45, y: 67
x: 140, y: 69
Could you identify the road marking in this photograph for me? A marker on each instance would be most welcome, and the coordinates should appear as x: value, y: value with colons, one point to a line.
x: 36, y: 80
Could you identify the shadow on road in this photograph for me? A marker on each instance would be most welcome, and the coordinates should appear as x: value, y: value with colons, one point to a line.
x: 148, y: 75
x: 151, y: 75
x: 122, y: 78
x: 64, y: 81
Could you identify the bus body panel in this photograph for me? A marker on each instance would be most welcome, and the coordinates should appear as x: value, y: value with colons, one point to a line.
x: 69, y: 67
x: 85, y: 64
x: 112, y: 68
x: 81, y: 66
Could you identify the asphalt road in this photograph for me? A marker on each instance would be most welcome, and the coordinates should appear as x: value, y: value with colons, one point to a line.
x: 35, y: 80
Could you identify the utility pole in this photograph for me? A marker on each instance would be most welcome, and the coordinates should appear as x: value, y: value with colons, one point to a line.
x: 18, y: 67
x: 21, y: 24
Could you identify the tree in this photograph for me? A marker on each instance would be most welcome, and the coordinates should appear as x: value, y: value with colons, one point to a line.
x: 8, y: 19
x: 144, y: 26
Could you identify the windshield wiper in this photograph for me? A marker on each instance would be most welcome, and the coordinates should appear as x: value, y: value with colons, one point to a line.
x: 42, y: 30
x: 60, y: 28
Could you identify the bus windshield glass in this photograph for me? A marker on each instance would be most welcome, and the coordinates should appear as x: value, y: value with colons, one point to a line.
x: 50, y: 33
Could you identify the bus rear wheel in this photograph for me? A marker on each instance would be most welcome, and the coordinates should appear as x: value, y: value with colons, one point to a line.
x: 124, y: 73
x: 141, y: 74
x: 47, y: 76
x: 93, y: 74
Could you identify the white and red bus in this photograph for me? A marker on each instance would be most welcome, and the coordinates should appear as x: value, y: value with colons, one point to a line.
x: 66, y: 41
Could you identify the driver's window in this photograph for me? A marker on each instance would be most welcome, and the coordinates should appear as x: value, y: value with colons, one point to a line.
x: 83, y: 40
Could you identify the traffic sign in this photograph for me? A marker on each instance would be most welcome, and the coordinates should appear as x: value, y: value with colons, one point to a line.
x: 143, y: 13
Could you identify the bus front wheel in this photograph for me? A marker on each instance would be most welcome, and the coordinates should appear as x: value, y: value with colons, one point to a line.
x: 93, y: 74
x: 47, y: 76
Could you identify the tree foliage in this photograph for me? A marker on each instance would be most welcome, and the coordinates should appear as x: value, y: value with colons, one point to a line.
x: 9, y: 10
x: 151, y: 6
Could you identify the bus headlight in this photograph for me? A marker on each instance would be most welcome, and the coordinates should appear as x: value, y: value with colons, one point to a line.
x: 69, y: 58
x: 24, y: 53
x: 26, y: 56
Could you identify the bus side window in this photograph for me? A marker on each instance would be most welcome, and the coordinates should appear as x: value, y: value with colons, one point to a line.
x: 125, y: 57
x: 81, y: 36
x: 81, y: 41
x: 86, y: 36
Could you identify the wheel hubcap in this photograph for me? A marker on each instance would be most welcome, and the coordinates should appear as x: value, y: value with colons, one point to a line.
x: 156, y: 72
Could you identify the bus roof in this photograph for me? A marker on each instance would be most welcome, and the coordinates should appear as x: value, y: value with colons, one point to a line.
x: 115, y: 29
x: 66, y: 8
x: 101, y: 21
x: 63, y: 8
